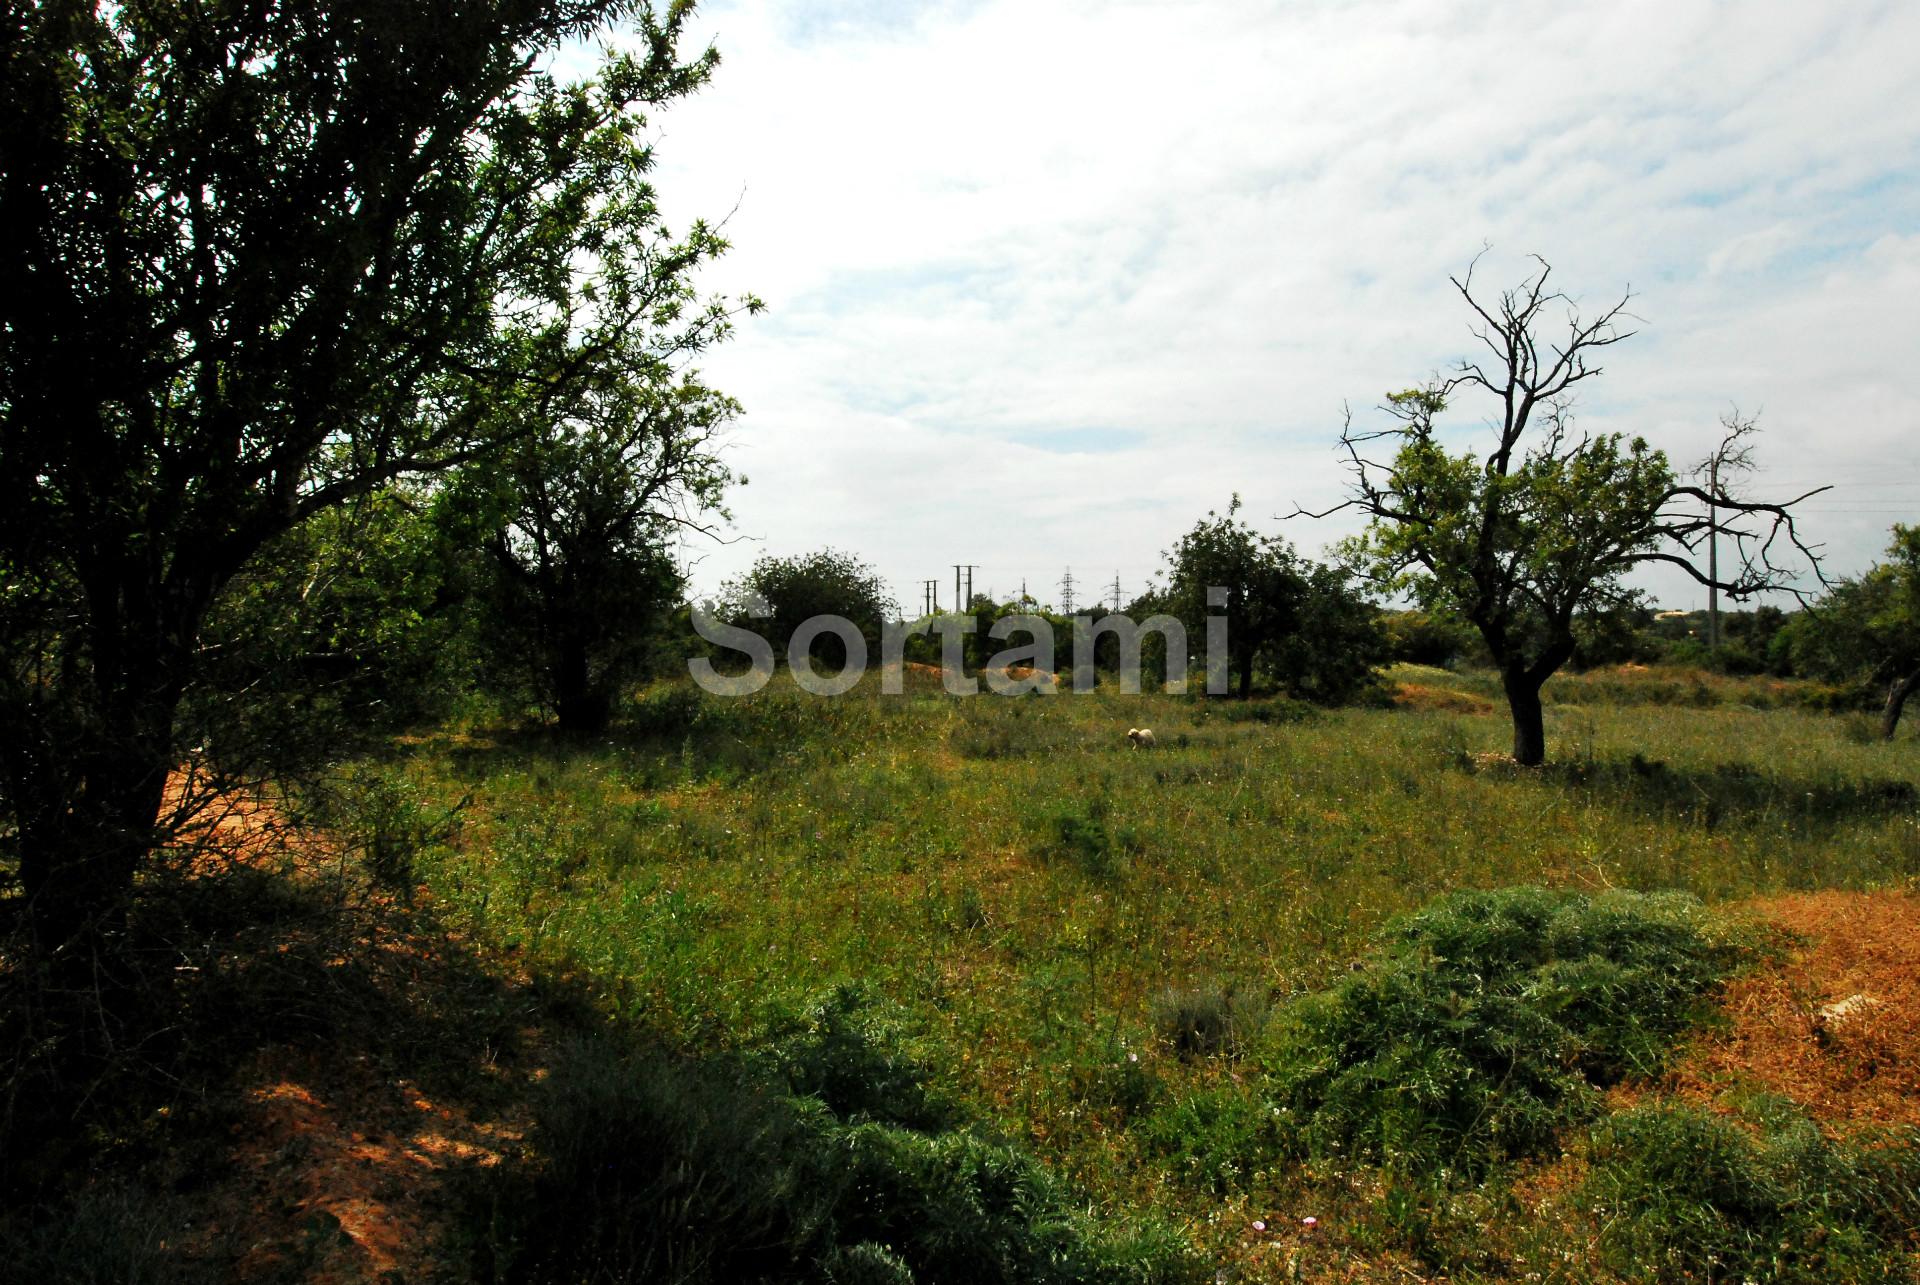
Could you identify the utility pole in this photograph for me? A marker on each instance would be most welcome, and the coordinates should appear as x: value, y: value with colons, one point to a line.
x: 930, y: 597
x: 962, y: 603
x: 1713, y: 555
x: 1066, y: 592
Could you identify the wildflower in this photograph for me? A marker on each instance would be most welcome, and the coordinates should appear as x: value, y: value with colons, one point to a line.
x: 1309, y: 1221
x: 1133, y: 1057
x: 1259, y: 1225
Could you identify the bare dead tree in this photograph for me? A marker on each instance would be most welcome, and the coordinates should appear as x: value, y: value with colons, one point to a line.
x: 1546, y: 526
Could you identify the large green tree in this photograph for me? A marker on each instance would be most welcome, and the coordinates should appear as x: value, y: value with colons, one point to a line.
x: 581, y: 516
x: 1301, y: 620
x: 1866, y: 630
x: 1545, y: 527
x: 264, y: 257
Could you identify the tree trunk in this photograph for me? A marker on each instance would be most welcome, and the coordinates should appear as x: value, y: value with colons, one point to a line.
x: 1529, y: 722
x: 88, y: 765
x: 581, y: 704
x: 1896, y: 701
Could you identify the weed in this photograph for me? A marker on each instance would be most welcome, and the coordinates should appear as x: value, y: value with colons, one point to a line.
x: 1684, y: 1192
x: 1202, y: 1021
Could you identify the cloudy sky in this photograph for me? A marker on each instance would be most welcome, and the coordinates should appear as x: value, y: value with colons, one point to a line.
x: 1047, y: 281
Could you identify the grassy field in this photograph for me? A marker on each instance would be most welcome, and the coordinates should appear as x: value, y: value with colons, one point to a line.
x: 1079, y: 942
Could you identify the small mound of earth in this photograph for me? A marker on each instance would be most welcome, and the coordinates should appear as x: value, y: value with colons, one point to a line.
x: 1446, y: 700
x: 1835, y: 1025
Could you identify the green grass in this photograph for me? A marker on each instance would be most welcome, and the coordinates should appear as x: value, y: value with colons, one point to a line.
x: 1033, y: 901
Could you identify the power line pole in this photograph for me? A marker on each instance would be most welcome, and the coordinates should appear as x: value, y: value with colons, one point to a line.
x: 1116, y: 591
x: 1713, y: 556
x: 1066, y: 592
x: 960, y: 603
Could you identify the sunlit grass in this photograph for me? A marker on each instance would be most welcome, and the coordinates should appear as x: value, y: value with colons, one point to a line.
x: 1023, y: 884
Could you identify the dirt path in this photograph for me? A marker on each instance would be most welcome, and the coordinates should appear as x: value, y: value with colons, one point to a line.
x: 1858, y: 958
x: 409, y: 1068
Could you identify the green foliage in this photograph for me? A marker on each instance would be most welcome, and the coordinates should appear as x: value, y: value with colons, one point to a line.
x: 345, y: 629
x: 1428, y: 638
x: 777, y: 846
x: 1082, y: 836
x: 1278, y: 710
x: 1300, y: 621
x: 576, y: 519
x: 850, y: 1053
x: 647, y: 1168
x: 1864, y: 632
x: 1481, y: 1026
x: 382, y: 819
x: 265, y: 260
x: 1682, y: 1192
x: 1544, y: 527
x: 1217, y: 1140
x: 796, y: 589
x: 1568, y: 521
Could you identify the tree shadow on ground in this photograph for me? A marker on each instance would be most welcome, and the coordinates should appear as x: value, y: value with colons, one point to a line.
x: 1731, y: 793
x: 291, y: 1055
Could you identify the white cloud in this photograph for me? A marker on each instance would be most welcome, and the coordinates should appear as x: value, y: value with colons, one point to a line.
x: 1047, y: 282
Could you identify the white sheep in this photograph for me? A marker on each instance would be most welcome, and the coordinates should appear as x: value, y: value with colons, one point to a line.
x: 1142, y: 737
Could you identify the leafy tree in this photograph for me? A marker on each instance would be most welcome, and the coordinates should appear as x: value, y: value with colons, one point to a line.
x: 791, y: 591
x: 1866, y: 630
x: 1544, y: 529
x: 345, y: 627
x: 263, y: 259
x: 1427, y: 638
x: 580, y: 516
x: 1301, y: 620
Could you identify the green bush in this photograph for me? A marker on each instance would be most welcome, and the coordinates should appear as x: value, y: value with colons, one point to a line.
x: 1082, y: 837
x: 1481, y: 1026
x: 1682, y: 1192
x: 1216, y: 1139
x: 845, y: 1051
x: 644, y: 1167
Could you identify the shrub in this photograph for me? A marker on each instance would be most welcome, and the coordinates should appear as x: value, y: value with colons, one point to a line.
x: 1201, y: 1021
x: 1481, y: 1026
x: 644, y: 1167
x: 1083, y: 838
x: 667, y: 710
x: 1216, y: 1139
x: 1683, y: 1192
x: 382, y: 817
x: 853, y: 1056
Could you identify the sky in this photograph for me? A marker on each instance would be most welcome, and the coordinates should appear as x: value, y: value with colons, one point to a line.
x: 1047, y: 282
